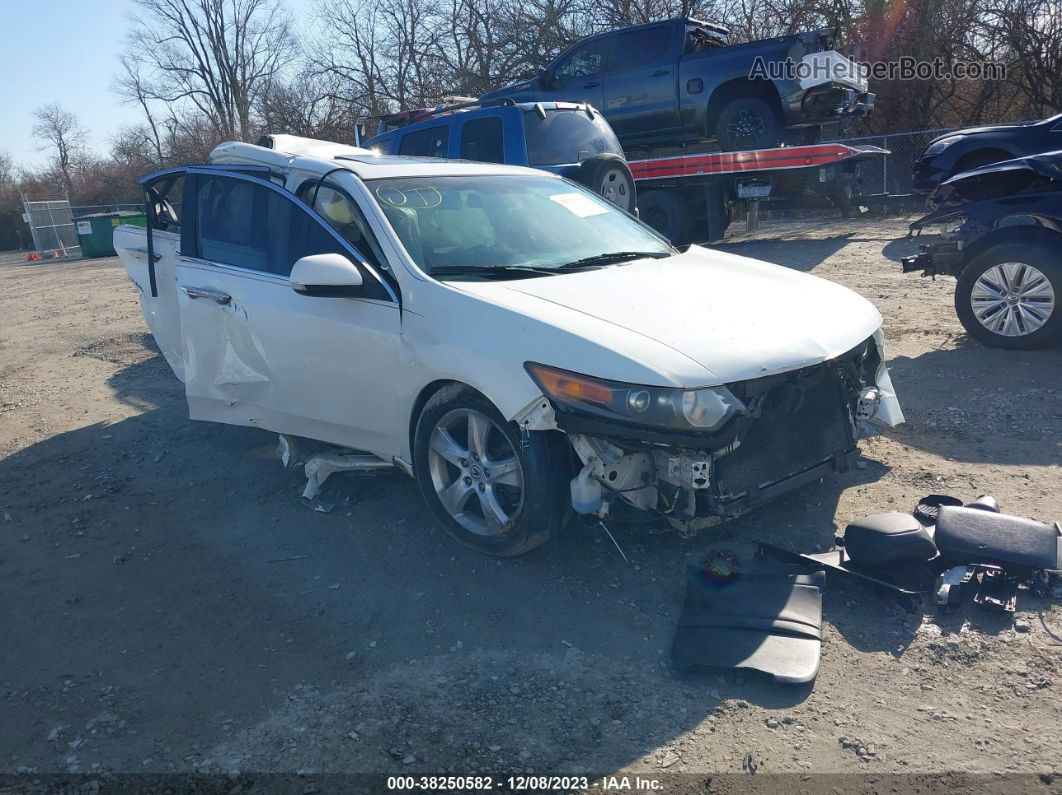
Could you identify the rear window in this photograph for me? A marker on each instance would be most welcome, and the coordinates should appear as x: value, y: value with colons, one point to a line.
x: 567, y: 136
x: 430, y: 142
x: 481, y: 139
x: 639, y: 47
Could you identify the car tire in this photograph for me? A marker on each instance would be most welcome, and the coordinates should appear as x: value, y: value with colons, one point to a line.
x: 846, y: 197
x: 506, y: 511
x: 748, y: 123
x: 1008, y: 296
x: 667, y: 213
x: 610, y: 176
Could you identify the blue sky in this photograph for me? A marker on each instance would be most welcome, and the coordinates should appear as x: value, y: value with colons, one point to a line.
x: 63, y: 51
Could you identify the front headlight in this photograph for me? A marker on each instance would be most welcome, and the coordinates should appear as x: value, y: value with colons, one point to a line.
x: 937, y: 147
x: 703, y: 409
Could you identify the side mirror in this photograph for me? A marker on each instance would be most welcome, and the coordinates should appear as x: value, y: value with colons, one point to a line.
x: 546, y: 80
x: 326, y: 275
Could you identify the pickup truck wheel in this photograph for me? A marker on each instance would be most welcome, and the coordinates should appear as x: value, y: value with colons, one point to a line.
x: 667, y: 213
x: 491, y: 491
x: 612, y: 178
x: 748, y: 123
x: 1008, y: 297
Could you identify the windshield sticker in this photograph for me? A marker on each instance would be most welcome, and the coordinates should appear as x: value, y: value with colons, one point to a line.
x: 580, y: 205
x: 415, y: 197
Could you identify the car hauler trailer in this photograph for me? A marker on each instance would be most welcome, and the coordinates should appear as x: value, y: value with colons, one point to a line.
x: 689, y: 197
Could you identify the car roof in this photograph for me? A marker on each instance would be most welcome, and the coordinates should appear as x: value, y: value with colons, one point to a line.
x: 444, y: 114
x: 376, y: 166
x: 713, y: 26
x: 289, y: 152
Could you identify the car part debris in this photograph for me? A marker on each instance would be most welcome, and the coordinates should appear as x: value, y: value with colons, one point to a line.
x: 769, y: 620
x: 928, y: 507
x: 885, y: 539
x: 908, y: 580
x: 287, y: 450
x: 969, y: 535
x: 612, y: 538
x: 320, y: 466
x: 997, y: 589
x: 948, y: 589
x: 1047, y: 583
x: 985, y: 502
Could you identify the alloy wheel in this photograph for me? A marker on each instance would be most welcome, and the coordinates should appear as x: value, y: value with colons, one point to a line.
x: 1012, y: 299
x: 747, y: 128
x: 476, y: 472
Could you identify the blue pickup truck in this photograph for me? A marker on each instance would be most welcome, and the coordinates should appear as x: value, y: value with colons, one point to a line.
x: 680, y: 80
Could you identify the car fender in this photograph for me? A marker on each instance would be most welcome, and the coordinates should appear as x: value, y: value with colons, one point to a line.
x: 487, y: 339
x: 1022, y: 228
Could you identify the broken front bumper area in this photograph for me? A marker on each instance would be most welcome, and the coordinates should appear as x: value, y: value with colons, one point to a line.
x: 800, y: 426
x: 830, y: 102
x: 934, y: 259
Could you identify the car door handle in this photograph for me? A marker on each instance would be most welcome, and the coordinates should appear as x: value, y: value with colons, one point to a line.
x: 661, y: 72
x: 209, y: 293
x: 591, y: 84
x: 143, y: 253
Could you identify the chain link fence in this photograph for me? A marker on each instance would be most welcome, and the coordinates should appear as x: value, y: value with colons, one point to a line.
x: 891, y: 173
x: 887, y: 178
x: 51, y: 223
x: 92, y: 209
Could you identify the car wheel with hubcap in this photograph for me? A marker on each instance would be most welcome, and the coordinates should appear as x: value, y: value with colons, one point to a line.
x: 1008, y: 296
x: 490, y: 491
x: 611, y: 177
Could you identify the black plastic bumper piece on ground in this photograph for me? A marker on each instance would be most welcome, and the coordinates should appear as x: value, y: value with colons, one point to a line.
x: 768, y: 619
x: 908, y: 580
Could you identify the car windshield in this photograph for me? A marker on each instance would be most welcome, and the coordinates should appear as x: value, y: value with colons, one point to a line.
x: 494, y: 225
x: 567, y: 136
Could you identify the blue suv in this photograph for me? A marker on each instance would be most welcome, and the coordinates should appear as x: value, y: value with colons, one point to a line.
x: 566, y: 138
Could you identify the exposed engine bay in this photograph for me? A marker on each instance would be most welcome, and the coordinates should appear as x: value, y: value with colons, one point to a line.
x: 793, y: 429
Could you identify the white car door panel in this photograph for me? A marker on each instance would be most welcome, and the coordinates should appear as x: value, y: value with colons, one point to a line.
x: 131, y: 244
x: 258, y: 353
x: 272, y: 358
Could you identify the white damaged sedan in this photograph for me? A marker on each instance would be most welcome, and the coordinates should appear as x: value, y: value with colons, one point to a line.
x: 520, y: 346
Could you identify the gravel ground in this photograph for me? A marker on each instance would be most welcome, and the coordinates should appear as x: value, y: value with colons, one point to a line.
x: 171, y: 606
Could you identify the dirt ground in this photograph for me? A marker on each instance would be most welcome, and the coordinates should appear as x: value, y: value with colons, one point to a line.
x: 169, y: 604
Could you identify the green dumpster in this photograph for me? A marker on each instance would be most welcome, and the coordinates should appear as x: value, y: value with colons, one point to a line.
x: 96, y: 230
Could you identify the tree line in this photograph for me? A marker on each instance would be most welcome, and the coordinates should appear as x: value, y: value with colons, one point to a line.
x: 203, y: 71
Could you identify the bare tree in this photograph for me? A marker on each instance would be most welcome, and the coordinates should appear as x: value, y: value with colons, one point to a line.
x: 62, y: 133
x: 218, y: 55
x: 1032, y: 32
x: 352, y: 50
x: 131, y: 87
x: 312, y: 103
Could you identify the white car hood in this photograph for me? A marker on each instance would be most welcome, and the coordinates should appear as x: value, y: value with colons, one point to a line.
x: 737, y: 318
